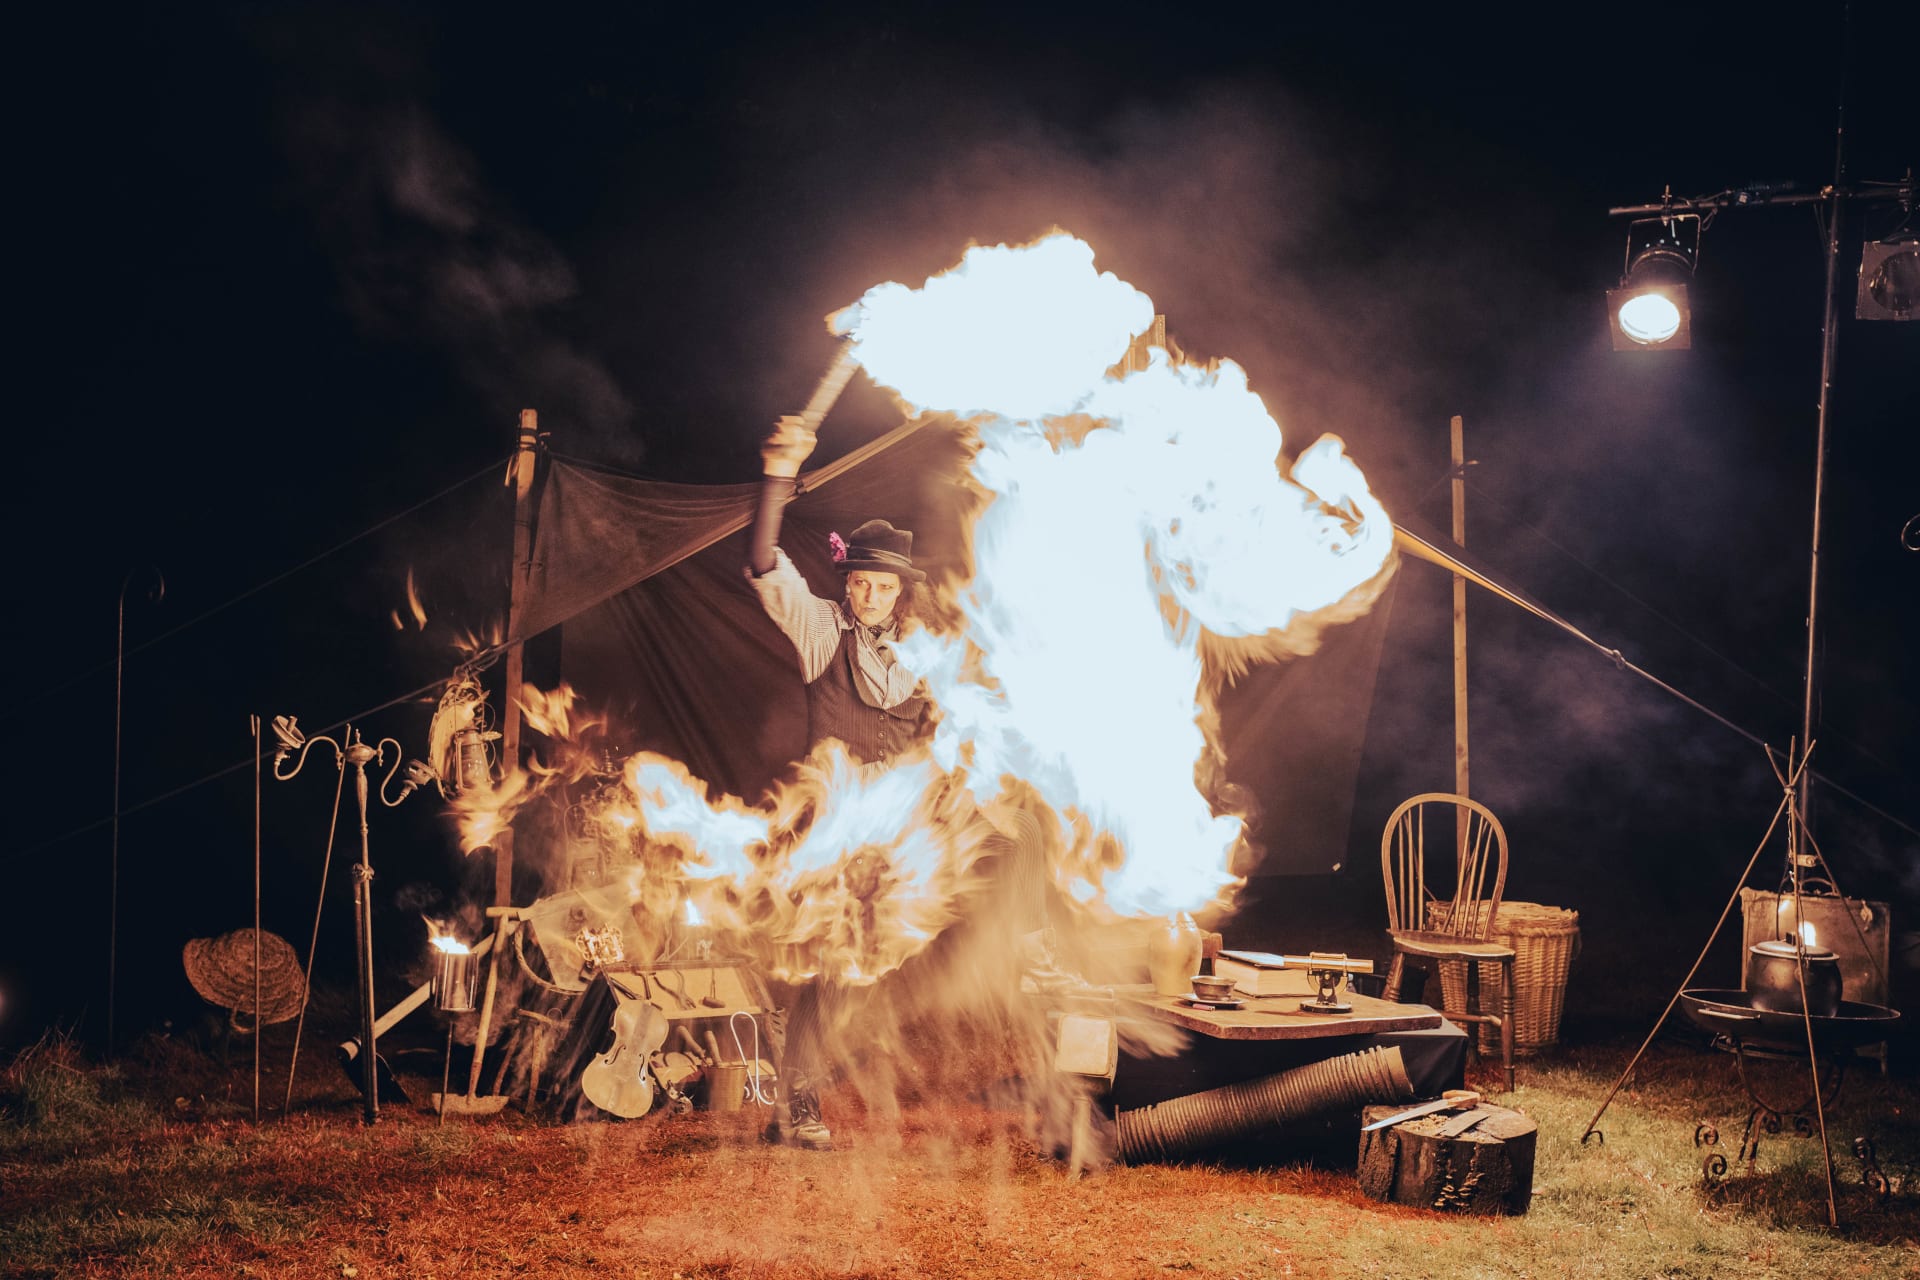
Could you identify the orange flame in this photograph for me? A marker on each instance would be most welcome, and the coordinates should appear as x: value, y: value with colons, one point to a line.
x: 1166, y: 497
x: 441, y: 939
x: 413, y: 603
x: 1075, y: 689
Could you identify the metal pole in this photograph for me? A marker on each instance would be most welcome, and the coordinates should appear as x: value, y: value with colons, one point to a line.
x: 358, y: 754
x: 1460, y: 763
x: 1830, y: 338
x: 113, y: 861
x: 259, y: 1020
x: 157, y: 594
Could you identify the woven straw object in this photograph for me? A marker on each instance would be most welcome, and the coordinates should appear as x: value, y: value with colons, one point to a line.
x: 1544, y: 941
x: 221, y: 970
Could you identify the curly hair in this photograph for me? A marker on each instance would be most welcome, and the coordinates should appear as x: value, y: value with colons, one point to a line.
x: 905, y: 612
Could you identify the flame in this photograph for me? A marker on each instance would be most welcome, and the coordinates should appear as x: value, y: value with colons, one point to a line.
x: 473, y: 644
x: 413, y: 603
x: 1808, y: 937
x: 441, y: 939
x: 1142, y: 538
x: 671, y: 806
x: 1165, y: 515
x: 1018, y: 332
x: 550, y: 713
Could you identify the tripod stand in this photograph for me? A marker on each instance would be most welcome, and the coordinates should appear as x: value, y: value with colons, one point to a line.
x: 1802, y: 856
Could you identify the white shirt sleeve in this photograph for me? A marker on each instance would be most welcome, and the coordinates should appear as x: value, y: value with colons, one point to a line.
x: 811, y: 623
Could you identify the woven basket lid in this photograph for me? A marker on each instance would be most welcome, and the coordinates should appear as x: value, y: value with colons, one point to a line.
x: 221, y: 970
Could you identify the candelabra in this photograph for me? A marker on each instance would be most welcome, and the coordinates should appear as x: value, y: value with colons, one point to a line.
x: 355, y: 754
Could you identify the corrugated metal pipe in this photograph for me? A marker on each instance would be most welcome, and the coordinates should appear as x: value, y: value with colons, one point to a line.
x: 1180, y: 1126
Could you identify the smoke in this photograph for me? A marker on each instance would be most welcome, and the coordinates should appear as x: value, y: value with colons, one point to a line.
x: 426, y: 253
x: 1233, y: 206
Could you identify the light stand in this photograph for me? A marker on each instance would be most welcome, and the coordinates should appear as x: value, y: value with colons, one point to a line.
x: 1830, y: 200
x: 1795, y: 781
x: 357, y: 755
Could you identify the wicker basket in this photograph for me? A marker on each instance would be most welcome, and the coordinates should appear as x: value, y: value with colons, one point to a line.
x: 1544, y: 942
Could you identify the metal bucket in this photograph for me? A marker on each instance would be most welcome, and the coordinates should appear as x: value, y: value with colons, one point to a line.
x: 454, y: 978
x: 726, y: 1086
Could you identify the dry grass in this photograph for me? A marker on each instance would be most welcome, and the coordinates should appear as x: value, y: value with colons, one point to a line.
x: 152, y: 1168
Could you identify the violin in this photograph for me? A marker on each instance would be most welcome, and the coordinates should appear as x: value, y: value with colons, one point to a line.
x: 620, y: 1080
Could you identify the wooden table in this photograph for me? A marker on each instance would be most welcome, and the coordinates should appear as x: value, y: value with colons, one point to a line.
x: 1270, y: 1034
x: 1277, y: 1017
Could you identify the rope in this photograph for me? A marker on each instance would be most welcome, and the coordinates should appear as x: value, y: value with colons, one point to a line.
x: 1784, y: 700
x: 235, y: 767
x: 257, y: 588
x: 1592, y: 1125
x: 1429, y: 551
x: 1480, y: 491
x: 313, y: 943
x: 1426, y: 550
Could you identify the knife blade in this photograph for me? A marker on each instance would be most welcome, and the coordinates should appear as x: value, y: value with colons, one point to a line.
x: 1462, y: 1123
x: 1451, y: 1100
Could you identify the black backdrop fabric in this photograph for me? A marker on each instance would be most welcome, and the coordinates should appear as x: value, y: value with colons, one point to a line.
x: 661, y: 634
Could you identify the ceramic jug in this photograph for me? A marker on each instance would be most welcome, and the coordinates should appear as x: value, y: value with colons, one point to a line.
x: 1173, y: 955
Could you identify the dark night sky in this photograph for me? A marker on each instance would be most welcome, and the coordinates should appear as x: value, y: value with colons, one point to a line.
x: 290, y: 269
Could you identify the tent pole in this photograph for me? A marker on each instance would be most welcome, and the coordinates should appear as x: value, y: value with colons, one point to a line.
x: 525, y: 455
x: 1460, y: 770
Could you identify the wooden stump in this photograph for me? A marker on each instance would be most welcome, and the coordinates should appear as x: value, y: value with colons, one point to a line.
x: 1432, y: 1163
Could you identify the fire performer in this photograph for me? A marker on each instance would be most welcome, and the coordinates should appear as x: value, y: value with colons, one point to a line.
x: 858, y: 693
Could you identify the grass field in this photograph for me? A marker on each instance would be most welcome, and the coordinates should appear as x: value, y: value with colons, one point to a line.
x: 151, y: 1166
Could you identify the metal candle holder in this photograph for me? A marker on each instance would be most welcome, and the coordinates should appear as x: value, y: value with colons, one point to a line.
x: 357, y: 754
x: 455, y: 975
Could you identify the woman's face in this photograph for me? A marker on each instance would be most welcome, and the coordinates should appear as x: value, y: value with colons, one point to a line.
x: 871, y: 596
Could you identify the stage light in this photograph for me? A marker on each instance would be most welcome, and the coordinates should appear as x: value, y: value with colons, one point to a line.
x: 1650, y: 318
x: 1889, y: 277
x: 1650, y: 310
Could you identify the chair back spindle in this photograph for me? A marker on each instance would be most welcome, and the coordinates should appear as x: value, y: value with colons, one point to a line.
x: 1479, y: 865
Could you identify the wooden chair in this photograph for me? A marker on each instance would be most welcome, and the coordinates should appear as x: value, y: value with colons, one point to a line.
x: 1430, y: 921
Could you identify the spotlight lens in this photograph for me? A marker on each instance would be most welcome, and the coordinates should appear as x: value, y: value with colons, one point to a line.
x: 1896, y: 284
x: 1649, y: 318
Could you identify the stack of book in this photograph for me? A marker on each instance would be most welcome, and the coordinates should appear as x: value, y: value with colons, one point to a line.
x: 1260, y: 973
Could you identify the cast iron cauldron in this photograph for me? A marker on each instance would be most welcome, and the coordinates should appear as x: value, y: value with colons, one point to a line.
x: 1773, y: 978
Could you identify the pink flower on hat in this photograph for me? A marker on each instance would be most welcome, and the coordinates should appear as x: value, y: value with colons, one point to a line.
x: 839, y: 546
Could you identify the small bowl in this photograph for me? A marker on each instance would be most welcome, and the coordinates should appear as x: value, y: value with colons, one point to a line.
x: 1212, y: 987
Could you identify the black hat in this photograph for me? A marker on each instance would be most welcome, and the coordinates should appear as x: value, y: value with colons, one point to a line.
x: 877, y: 547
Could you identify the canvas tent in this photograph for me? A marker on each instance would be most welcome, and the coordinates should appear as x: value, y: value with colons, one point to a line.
x: 660, y: 632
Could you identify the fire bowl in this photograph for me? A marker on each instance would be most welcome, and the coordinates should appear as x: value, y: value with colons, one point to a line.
x: 1731, y: 1013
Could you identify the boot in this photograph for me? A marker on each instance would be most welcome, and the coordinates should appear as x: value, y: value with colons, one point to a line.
x: 802, y: 1126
